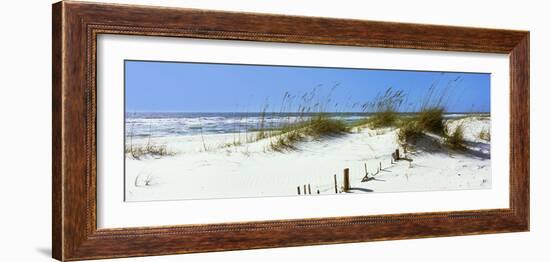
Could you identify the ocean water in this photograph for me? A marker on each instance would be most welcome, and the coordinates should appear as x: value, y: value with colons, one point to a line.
x: 143, y: 124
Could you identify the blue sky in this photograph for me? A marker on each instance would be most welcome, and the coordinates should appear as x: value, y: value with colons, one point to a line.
x: 201, y: 87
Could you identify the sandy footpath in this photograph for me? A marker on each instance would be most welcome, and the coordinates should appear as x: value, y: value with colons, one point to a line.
x: 254, y: 170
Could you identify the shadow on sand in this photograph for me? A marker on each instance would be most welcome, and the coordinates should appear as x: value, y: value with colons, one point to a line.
x: 360, y: 189
x: 433, y: 144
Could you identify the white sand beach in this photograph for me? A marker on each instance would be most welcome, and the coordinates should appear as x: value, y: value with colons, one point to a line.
x: 255, y: 170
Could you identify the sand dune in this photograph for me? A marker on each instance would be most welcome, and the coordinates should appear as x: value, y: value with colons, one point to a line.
x: 254, y: 170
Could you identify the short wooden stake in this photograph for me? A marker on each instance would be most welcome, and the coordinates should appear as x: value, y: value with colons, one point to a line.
x: 335, y: 185
x: 298, y: 190
x: 380, y: 166
x: 309, y: 188
x: 346, y: 180
x: 305, y: 191
x: 397, y: 154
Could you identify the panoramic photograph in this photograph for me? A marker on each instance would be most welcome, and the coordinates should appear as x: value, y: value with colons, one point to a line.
x: 209, y: 131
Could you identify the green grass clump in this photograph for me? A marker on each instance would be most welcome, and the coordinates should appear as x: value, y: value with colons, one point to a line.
x: 431, y: 120
x: 321, y: 125
x: 383, y: 119
x: 409, y: 132
x: 317, y: 127
x: 385, y: 107
x: 455, y: 140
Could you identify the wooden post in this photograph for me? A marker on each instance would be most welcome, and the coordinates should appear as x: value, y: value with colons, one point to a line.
x: 305, y: 191
x: 309, y: 188
x: 335, y: 185
x: 397, y: 154
x: 298, y: 190
x: 380, y: 166
x: 346, y: 180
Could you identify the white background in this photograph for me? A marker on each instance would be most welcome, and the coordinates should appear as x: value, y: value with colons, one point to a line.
x: 25, y: 148
x: 114, y: 212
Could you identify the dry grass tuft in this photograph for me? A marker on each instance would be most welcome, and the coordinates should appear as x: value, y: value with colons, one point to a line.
x: 149, y: 149
x: 485, y: 135
x: 455, y: 140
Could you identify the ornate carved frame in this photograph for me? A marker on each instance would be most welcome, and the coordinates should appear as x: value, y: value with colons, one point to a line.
x: 76, y: 26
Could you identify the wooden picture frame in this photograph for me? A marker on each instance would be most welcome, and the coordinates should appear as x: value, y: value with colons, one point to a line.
x: 76, y: 26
